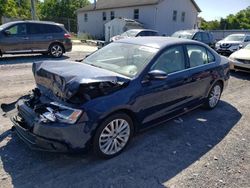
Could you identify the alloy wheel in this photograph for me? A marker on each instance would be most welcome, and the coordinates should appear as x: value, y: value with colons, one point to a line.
x: 214, y: 96
x: 56, y: 50
x: 114, y: 136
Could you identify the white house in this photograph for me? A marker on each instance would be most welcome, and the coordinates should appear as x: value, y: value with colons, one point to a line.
x: 165, y: 16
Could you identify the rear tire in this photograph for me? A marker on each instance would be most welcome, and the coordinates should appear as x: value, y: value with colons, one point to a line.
x: 56, y: 50
x: 214, y: 96
x: 113, y: 135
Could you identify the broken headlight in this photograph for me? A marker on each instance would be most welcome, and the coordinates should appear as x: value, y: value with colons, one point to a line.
x: 57, y: 112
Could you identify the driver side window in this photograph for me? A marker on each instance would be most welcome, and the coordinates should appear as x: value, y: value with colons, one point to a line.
x: 172, y: 60
x: 19, y: 29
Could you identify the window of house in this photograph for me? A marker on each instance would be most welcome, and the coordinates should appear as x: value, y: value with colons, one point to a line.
x: 136, y: 14
x: 85, y: 17
x: 112, y: 15
x: 104, y: 16
x: 183, y: 15
x: 175, y: 15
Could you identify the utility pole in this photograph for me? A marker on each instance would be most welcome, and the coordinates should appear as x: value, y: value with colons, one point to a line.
x: 33, y: 10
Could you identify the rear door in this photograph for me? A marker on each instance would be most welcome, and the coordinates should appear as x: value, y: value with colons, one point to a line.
x: 202, y: 69
x: 41, y: 36
x: 17, y: 40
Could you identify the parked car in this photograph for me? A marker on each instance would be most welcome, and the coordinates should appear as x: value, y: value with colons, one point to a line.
x: 232, y: 43
x: 125, y: 87
x: 198, y: 35
x: 135, y: 33
x: 34, y: 37
x: 240, y: 60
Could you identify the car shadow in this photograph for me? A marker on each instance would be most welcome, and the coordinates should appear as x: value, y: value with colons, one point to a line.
x: 152, y: 158
x: 19, y: 59
x: 240, y: 75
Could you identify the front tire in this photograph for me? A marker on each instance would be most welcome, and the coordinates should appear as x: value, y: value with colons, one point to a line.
x: 56, y: 50
x: 113, y: 135
x: 214, y: 96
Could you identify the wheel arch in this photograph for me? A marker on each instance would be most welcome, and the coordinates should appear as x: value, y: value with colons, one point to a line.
x: 220, y: 81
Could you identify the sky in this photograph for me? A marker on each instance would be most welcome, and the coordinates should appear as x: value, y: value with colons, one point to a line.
x: 216, y: 9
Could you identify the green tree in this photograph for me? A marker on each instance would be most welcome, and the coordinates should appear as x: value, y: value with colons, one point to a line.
x: 62, y: 11
x: 19, y: 9
x: 54, y: 9
x: 240, y: 20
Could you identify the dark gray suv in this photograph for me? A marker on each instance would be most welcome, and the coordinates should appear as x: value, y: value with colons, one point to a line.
x: 34, y: 37
x: 199, y: 35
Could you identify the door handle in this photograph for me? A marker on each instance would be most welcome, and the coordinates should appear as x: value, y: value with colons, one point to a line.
x: 25, y: 38
x: 189, y: 79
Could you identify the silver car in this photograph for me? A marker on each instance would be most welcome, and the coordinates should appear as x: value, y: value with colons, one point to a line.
x: 34, y: 37
x: 232, y: 43
x: 240, y: 60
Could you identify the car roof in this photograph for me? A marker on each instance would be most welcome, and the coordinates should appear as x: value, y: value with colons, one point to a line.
x: 35, y: 21
x: 192, y: 31
x: 139, y: 30
x: 157, y: 42
x: 239, y: 34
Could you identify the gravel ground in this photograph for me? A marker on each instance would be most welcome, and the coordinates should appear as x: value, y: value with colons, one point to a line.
x: 199, y: 149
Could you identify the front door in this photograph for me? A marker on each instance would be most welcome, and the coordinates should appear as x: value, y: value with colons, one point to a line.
x: 162, y: 99
x: 15, y: 39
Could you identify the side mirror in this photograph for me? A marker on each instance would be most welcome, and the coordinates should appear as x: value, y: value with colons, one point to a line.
x: 7, y: 33
x: 157, y: 75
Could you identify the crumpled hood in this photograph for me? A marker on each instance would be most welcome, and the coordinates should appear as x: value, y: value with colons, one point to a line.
x: 65, y: 78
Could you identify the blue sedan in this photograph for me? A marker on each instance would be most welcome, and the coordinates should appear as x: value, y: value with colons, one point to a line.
x: 125, y: 87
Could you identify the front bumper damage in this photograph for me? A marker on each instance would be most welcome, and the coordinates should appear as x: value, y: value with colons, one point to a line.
x: 51, y: 136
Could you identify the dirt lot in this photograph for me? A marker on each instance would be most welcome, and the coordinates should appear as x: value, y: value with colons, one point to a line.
x: 206, y: 149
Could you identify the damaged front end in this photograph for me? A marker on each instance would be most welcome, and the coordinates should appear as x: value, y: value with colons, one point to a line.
x: 47, y: 125
x: 52, y: 118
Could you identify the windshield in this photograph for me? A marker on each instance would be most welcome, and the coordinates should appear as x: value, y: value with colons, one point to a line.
x: 234, y: 38
x: 130, y: 33
x: 122, y: 58
x: 5, y: 25
x: 183, y: 34
x: 247, y: 47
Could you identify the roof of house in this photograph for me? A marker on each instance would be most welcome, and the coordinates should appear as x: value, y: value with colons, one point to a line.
x: 111, y: 4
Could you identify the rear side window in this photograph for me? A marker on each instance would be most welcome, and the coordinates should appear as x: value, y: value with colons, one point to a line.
x: 247, y: 39
x: 147, y: 33
x: 198, y: 37
x: 210, y: 56
x: 34, y: 28
x: 151, y: 33
x: 205, y: 37
x: 199, y: 55
x: 53, y: 29
x: 170, y: 61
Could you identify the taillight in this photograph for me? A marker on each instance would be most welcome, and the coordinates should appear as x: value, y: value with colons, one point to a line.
x: 66, y: 35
